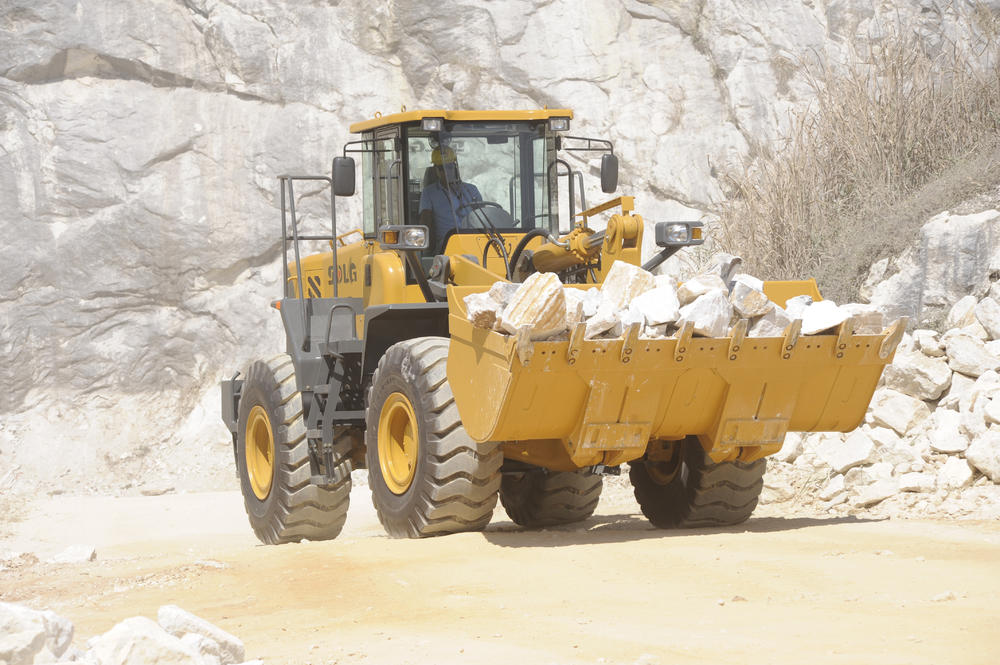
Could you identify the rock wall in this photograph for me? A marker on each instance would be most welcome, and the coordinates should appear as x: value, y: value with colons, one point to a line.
x: 139, y: 144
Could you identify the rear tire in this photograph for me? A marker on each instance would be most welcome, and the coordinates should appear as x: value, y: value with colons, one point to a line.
x: 700, y: 492
x: 427, y: 476
x: 539, y: 498
x: 272, y: 460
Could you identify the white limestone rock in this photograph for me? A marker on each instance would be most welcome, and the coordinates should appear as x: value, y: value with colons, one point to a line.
x: 961, y: 386
x: 973, y: 423
x: 877, y: 492
x: 867, y: 319
x: 624, y: 283
x: 76, y: 554
x: 991, y: 411
x: 917, y: 482
x: 993, y: 346
x: 711, y: 314
x: 797, y: 306
x: 772, y: 324
x: 945, y: 432
x: 179, y: 622
x: 602, y: 321
x: 987, y: 312
x: 821, y: 316
x: 955, y: 474
x: 791, y: 448
x: 856, y: 449
x: 928, y: 342
x: 540, y: 303
x: 727, y: 266
x: 984, y: 388
x: 749, y: 280
x: 749, y: 302
x: 140, y: 641
x: 698, y: 286
x: 591, y: 301
x: 502, y: 292
x: 917, y: 375
x: 962, y: 313
x: 902, y: 413
x: 984, y: 454
x: 832, y: 488
x: 968, y: 355
x: 483, y: 311
x: 625, y: 319
x: 658, y: 306
x: 206, y: 647
x: 28, y: 636
x: 574, y: 306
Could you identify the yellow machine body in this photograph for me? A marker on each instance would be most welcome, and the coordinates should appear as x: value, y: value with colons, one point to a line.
x: 578, y: 403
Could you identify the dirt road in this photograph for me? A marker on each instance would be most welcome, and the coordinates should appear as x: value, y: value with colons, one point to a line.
x: 612, y: 590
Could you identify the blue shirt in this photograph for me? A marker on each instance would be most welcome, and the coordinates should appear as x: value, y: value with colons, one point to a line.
x: 445, y: 205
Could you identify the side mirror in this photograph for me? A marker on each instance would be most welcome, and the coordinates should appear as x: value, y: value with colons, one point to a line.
x: 343, y: 176
x: 609, y: 173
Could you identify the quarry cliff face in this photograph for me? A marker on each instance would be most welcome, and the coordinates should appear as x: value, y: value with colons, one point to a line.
x: 139, y: 144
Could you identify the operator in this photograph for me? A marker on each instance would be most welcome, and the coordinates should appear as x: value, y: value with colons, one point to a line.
x: 441, y: 202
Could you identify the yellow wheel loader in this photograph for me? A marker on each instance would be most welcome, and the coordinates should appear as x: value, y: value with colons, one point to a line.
x: 384, y: 370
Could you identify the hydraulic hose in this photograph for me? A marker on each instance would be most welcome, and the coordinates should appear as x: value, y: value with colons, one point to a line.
x: 516, y: 254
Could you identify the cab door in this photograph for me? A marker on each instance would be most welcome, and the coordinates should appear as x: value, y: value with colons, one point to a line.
x: 384, y: 276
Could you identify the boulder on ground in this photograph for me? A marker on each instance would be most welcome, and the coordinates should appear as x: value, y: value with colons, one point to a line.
x: 969, y: 355
x: 178, y: 622
x: 945, y: 432
x: 902, y: 413
x: 984, y: 454
x: 856, y: 449
x: 28, y: 635
x: 955, y: 474
x: 140, y: 641
x: 878, y: 491
x: 928, y: 342
x: 988, y: 314
x: 962, y: 313
x: 918, y: 375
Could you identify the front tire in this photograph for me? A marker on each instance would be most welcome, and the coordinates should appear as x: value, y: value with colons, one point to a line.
x: 694, y: 491
x: 427, y: 476
x: 539, y: 498
x: 272, y: 460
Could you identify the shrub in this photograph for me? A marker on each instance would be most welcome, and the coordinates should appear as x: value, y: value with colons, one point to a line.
x: 908, y: 127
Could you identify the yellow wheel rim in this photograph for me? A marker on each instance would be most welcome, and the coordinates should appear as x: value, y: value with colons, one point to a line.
x: 259, y: 452
x: 397, y: 443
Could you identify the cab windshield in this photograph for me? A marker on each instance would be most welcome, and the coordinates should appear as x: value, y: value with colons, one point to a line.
x: 473, y: 175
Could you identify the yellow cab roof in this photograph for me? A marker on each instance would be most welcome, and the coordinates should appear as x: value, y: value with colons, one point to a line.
x: 410, y: 116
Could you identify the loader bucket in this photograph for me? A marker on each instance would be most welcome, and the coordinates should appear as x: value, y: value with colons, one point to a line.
x: 604, y: 400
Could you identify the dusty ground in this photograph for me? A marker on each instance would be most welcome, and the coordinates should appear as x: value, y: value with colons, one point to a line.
x: 612, y: 590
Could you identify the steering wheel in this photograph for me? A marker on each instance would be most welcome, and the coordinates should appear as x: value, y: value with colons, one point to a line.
x: 478, y: 205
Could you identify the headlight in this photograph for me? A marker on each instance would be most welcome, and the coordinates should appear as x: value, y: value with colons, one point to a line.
x: 674, y: 234
x: 403, y: 237
x: 415, y: 237
x: 432, y: 124
x: 559, y: 124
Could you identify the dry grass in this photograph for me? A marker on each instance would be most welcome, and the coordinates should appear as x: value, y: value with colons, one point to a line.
x: 905, y: 129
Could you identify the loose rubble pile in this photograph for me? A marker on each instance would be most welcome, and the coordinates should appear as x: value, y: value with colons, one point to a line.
x: 712, y: 303
x: 177, y: 637
x: 930, y: 444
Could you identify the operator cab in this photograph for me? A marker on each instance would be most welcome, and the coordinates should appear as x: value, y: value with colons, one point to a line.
x: 464, y: 175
